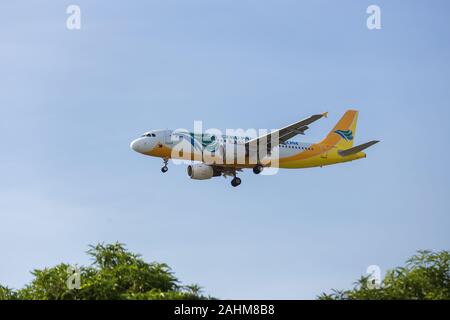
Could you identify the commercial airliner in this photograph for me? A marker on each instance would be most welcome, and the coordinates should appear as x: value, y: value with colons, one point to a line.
x: 212, y: 152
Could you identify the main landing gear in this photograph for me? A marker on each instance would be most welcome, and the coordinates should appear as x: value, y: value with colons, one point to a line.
x: 232, y: 172
x: 236, y: 181
x: 258, y: 169
x: 165, y: 168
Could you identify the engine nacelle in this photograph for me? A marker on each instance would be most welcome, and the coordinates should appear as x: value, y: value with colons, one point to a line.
x: 201, y: 171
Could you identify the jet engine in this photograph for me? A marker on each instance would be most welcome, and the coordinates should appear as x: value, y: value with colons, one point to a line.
x: 202, y: 171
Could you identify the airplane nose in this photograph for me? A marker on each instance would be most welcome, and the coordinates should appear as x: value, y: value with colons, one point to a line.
x: 133, y: 145
x: 136, y: 145
x: 142, y: 145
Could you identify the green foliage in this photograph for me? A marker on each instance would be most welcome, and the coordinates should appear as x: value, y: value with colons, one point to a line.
x: 115, y: 273
x: 7, y: 293
x: 425, y: 276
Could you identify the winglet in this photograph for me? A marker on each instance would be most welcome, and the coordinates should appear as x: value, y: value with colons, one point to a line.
x: 325, y: 114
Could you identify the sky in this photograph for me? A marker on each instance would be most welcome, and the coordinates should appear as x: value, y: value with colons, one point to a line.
x: 72, y: 100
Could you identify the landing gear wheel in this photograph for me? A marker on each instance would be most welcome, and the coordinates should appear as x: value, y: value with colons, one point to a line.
x: 257, y: 169
x: 165, y: 168
x: 235, y: 182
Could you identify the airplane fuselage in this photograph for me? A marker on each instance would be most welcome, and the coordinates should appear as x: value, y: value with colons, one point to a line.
x: 291, y: 154
x: 225, y: 155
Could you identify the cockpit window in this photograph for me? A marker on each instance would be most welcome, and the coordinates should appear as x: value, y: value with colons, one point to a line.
x: 148, y: 135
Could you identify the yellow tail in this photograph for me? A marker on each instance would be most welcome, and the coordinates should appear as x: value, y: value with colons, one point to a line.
x: 343, y: 133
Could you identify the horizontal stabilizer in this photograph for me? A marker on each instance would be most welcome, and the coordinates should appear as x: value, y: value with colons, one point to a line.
x: 357, y: 149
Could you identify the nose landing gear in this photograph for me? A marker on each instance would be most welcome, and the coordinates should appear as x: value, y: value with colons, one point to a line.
x: 165, y: 168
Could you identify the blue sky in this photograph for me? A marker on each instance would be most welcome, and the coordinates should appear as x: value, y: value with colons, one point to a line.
x: 71, y: 102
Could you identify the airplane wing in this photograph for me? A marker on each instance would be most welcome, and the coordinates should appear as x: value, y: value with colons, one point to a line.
x: 285, y: 133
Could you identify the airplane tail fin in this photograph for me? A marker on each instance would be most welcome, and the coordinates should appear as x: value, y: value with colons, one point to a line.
x: 344, y: 131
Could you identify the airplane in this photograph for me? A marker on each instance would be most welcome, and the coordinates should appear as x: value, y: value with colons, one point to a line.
x: 336, y: 147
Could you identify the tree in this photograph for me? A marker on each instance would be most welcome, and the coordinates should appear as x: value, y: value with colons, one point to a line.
x: 7, y: 293
x: 425, y: 276
x: 115, y: 273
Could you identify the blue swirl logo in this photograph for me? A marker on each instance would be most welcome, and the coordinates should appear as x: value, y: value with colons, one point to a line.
x: 201, y: 141
x: 345, y: 134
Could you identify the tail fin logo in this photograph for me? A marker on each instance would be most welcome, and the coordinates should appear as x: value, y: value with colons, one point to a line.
x: 345, y: 134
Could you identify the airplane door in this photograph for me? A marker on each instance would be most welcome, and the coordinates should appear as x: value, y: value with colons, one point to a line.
x: 168, y: 138
x: 324, y: 154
